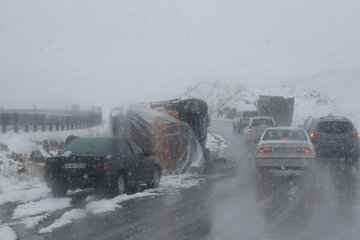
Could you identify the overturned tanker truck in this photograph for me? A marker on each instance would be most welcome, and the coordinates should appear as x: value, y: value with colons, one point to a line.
x: 161, y: 128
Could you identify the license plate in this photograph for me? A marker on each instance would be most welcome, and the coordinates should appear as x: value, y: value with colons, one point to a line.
x: 284, y: 150
x: 74, y: 165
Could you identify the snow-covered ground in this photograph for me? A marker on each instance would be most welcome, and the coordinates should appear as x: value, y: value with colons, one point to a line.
x: 35, y: 203
x: 32, y: 213
x: 316, y: 95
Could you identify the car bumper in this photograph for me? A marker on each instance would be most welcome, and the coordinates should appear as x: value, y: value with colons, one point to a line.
x: 286, y: 162
x: 86, y: 181
x: 337, y: 150
x: 253, y: 140
x: 78, y: 180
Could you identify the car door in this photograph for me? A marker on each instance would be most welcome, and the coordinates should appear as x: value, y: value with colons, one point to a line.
x: 143, y: 164
x: 125, y: 159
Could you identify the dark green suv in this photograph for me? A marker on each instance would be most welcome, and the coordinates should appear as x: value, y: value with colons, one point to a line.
x: 113, y: 164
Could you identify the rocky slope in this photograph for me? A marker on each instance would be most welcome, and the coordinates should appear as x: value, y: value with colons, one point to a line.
x: 333, y: 92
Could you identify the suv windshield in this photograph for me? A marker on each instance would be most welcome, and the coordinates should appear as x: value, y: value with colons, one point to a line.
x: 262, y: 121
x: 88, y: 146
x: 280, y: 134
x: 248, y: 114
x: 335, y: 127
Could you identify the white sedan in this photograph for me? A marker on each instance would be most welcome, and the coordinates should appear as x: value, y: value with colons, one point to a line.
x: 284, y: 147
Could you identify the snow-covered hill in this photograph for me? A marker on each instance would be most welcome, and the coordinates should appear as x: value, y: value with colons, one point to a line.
x: 334, y: 92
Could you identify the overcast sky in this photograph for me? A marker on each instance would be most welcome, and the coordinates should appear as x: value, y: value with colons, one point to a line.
x: 113, y: 52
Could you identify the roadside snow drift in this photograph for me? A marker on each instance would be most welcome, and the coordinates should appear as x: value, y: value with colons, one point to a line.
x: 7, y: 233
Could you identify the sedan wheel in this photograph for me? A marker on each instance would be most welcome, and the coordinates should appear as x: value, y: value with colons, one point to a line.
x: 117, y: 187
x: 121, y: 185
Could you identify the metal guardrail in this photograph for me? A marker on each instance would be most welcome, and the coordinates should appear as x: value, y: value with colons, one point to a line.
x: 24, y: 120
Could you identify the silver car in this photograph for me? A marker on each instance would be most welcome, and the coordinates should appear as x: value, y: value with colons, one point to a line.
x: 256, y: 128
x: 243, y: 120
x: 284, y: 147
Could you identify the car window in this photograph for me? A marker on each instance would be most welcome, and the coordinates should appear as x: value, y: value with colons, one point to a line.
x: 335, y: 127
x: 88, y: 146
x: 122, y: 147
x: 282, y: 134
x: 135, y: 147
x: 262, y: 121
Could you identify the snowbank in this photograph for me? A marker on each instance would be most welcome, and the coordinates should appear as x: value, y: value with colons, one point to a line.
x: 216, y: 144
x: 47, y: 205
x: 66, y: 218
x: 167, y: 184
x: 20, y: 178
x: 7, y: 233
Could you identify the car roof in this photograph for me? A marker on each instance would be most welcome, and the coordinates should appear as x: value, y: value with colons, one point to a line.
x: 313, y: 118
x: 262, y: 117
x: 334, y: 118
x: 285, y: 128
x: 110, y: 138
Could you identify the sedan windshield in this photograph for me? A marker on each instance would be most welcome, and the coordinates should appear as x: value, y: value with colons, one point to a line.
x: 88, y: 146
x: 285, y: 134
